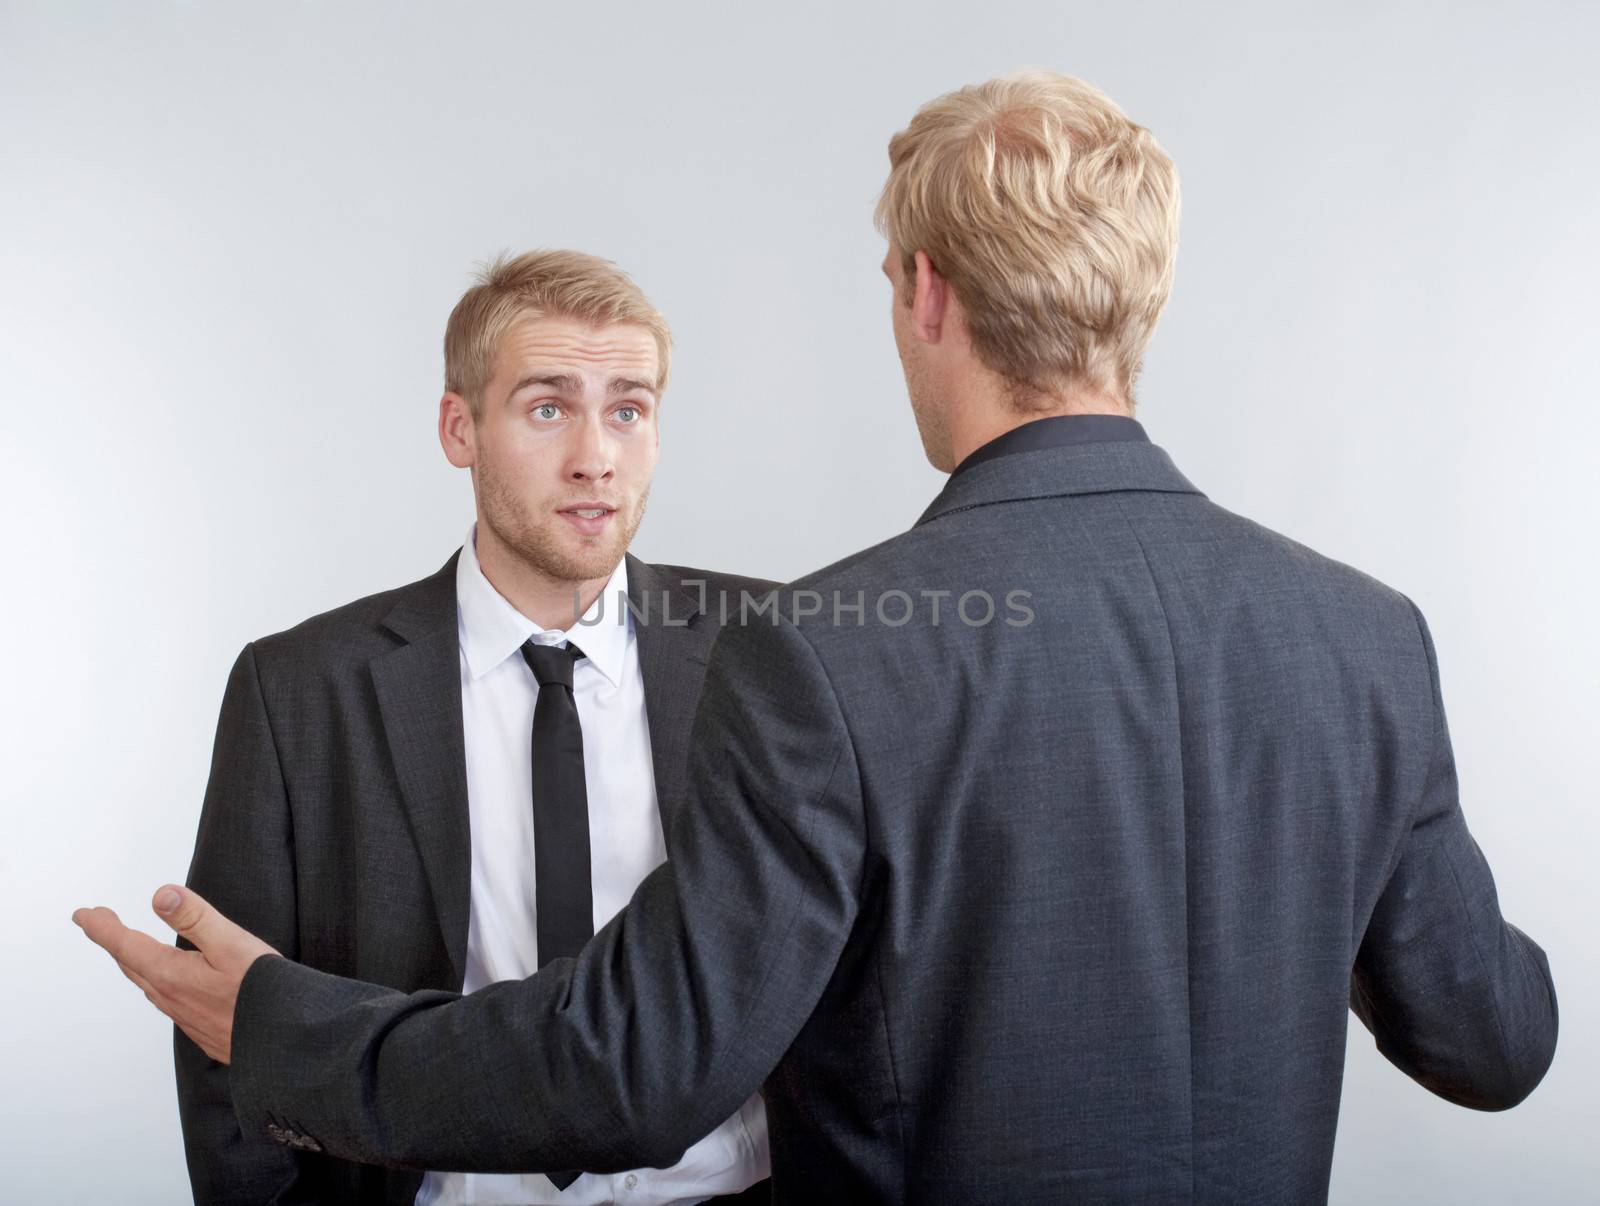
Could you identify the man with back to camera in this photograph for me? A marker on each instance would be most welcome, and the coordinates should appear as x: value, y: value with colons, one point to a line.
x: 1066, y: 908
x: 409, y: 838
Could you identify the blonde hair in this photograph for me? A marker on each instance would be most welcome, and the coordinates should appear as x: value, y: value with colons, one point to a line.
x: 567, y: 284
x: 1054, y: 218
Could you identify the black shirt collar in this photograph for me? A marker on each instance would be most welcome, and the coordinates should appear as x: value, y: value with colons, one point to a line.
x: 1053, y: 432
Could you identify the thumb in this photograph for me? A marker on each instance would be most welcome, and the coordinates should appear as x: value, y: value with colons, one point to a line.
x: 223, y: 943
x: 194, y: 919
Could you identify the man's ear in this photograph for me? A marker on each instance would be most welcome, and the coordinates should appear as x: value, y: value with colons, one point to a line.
x: 930, y: 301
x: 458, y: 431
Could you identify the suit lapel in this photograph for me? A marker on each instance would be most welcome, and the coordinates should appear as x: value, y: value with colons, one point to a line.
x: 419, y: 697
x: 672, y: 662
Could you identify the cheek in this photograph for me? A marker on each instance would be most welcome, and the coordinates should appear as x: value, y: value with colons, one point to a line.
x: 642, y: 461
x: 640, y: 449
x: 528, y: 471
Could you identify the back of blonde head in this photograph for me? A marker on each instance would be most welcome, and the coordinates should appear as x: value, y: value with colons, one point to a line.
x: 1053, y: 217
x: 535, y: 284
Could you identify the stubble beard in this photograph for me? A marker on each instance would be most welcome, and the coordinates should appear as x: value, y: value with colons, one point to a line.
x: 541, y: 546
x: 929, y: 410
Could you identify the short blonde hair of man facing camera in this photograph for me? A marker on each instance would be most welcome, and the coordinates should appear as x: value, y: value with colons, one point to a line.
x: 1053, y: 217
x: 539, y: 284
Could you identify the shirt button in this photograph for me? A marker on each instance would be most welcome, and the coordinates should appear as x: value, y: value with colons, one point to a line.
x: 630, y: 1182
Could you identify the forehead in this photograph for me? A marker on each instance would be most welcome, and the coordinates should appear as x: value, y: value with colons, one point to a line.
x: 622, y: 348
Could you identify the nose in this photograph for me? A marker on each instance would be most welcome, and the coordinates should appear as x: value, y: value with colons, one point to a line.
x: 590, y: 458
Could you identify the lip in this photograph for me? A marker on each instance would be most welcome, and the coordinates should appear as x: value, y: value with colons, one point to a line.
x: 587, y: 525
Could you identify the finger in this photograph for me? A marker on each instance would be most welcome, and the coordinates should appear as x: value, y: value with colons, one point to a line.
x: 144, y: 985
x: 99, y: 923
x: 134, y: 959
x: 105, y: 930
x: 188, y: 913
x: 136, y: 953
x: 151, y: 995
x: 222, y: 943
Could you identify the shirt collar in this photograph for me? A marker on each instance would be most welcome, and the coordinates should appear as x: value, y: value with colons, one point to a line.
x: 1054, y: 431
x: 491, y: 629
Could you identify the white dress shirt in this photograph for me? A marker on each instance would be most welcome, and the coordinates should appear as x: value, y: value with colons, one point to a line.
x: 497, y: 698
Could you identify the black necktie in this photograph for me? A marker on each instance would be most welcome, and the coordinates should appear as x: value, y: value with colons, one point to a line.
x: 563, y: 900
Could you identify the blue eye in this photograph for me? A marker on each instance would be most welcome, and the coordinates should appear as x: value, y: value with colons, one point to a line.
x: 627, y: 411
x: 547, y: 410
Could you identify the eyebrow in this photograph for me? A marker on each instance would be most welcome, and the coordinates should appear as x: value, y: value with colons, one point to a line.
x: 565, y: 382
x: 626, y: 385
x: 571, y: 383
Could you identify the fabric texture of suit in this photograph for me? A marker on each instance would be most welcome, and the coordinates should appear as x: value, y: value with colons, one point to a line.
x: 335, y: 825
x: 1067, y: 910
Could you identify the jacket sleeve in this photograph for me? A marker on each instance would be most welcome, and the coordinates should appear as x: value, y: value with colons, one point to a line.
x: 670, y: 1017
x: 244, y: 865
x: 1455, y: 996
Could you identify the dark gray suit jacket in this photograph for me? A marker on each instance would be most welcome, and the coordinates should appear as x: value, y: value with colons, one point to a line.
x: 335, y: 824
x: 1067, y: 910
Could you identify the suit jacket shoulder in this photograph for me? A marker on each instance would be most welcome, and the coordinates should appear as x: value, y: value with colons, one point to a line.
x: 354, y: 631
x: 693, y: 582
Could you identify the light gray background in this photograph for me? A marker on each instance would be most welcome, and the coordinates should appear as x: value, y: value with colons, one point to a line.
x: 231, y: 237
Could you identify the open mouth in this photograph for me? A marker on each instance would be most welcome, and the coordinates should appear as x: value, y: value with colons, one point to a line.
x: 590, y: 519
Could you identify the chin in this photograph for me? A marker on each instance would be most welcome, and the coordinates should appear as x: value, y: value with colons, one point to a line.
x: 586, y: 563
x: 558, y: 555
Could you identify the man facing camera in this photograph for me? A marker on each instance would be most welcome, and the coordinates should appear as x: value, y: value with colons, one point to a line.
x: 453, y: 783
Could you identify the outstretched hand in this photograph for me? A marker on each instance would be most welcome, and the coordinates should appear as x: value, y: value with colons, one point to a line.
x: 197, y: 989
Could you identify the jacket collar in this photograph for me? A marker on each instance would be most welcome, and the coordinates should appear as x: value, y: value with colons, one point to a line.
x: 674, y: 639
x: 1100, y: 467
x: 662, y: 599
x: 418, y: 687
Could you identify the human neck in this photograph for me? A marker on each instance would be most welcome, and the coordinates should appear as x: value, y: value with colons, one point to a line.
x: 986, y: 409
x: 545, y: 600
